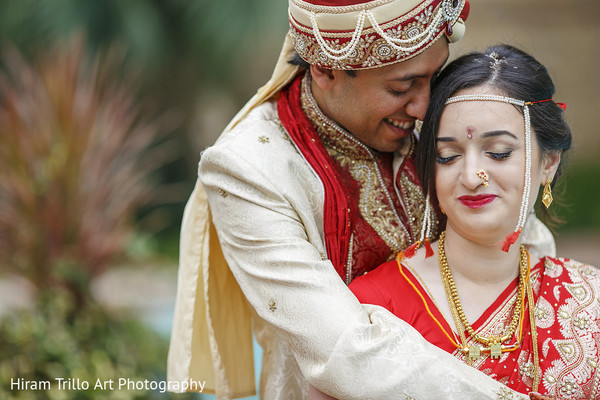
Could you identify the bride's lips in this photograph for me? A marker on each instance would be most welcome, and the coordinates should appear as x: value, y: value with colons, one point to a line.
x: 477, y: 201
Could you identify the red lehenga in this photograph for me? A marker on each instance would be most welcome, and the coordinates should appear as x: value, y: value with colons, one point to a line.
x: 567, y: 317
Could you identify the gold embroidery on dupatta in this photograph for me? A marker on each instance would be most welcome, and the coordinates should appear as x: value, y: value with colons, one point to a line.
x: 414, y: 202
x: 375, y: 201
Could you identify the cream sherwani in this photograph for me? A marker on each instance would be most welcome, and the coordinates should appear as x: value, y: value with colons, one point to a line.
x: 266, y: 205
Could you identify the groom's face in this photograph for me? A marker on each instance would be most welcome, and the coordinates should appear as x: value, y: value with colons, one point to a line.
x: 380, y: 105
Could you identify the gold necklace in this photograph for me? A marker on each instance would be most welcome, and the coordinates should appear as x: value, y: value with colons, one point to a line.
x: 494, y: 343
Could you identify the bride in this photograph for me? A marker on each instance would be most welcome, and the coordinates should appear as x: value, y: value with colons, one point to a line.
x: 492, y: 140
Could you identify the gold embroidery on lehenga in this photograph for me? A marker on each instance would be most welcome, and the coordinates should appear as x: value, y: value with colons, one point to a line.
x: 541, y: 313
x: 577, y: 291
x: 568, y: 387
x: 544, y: 313
x: 567, y: 350
x: 527, y: 369
x: 576, y: 366
x: 581, y: 322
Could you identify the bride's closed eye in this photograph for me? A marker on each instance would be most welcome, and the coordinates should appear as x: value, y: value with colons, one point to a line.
x: 499, y: 156
x: 445, y: 159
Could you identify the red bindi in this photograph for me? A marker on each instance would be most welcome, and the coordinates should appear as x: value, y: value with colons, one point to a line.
x: 470, y: 131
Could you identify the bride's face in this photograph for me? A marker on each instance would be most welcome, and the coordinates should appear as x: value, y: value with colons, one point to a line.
x: 488, y: 136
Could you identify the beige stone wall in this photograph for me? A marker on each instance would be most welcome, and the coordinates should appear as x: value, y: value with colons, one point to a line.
x: 562, y: 34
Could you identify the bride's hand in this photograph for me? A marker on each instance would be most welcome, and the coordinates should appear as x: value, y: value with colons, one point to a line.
x: 538, y: 396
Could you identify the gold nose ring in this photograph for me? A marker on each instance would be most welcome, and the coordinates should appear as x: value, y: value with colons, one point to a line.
x: 484, y: 177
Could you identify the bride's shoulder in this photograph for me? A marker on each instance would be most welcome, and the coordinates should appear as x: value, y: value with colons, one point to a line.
x: 565, y: 262
x: 568, y: 270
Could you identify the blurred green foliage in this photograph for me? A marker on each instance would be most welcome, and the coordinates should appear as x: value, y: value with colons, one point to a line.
x: 204, y: 39
x: 57, y: 340
x: 578, y: 197
x: 183, y: 51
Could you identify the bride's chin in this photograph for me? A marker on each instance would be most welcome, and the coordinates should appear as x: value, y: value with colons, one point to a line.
x: 478, y: 236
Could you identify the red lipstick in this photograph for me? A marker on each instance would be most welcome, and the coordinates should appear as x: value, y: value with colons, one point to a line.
x: 477, y: 201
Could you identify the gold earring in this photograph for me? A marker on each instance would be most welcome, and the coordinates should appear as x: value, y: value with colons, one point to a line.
x: 547, y: 194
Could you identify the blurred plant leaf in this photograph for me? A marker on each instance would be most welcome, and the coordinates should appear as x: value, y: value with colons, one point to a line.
x: 74, y: 147
x: 190, y: 55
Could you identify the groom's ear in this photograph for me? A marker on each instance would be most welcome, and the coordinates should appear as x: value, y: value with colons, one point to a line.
x: 325, y: 78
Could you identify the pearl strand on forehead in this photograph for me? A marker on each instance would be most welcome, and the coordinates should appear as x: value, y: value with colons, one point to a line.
x: 485, y: 97
x: 524, y: 209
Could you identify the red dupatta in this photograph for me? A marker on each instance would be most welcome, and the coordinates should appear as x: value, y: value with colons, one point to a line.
x: 336, y: 218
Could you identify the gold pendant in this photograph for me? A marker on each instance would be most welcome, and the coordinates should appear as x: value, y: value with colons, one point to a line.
x: 474, y: 352
x: 495, y: 350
